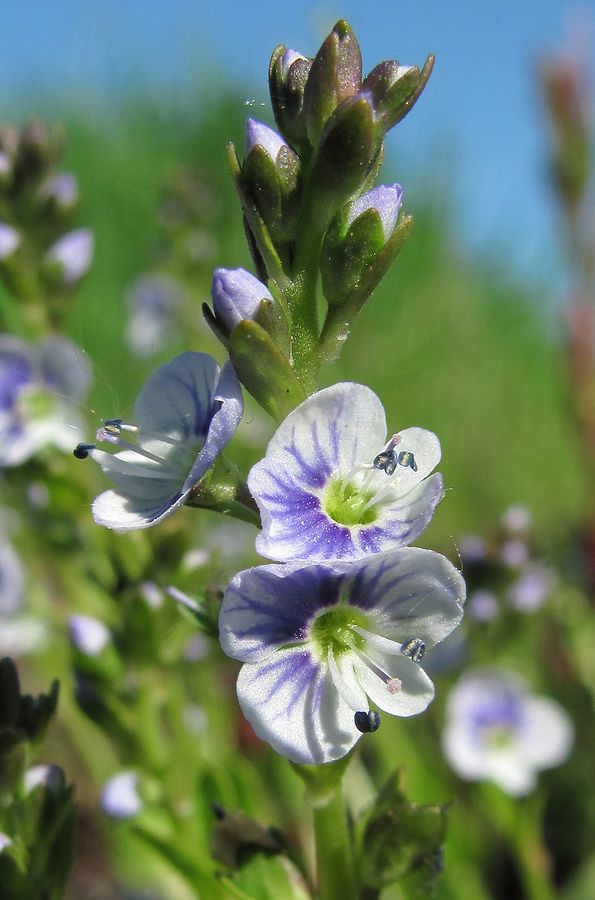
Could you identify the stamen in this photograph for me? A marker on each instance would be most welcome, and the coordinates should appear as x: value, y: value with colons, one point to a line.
x: 81, y: 451
x: 407, y: 460
x: 414, y: 648
x: 388, y: 459
x: 104, y: 435
x: 393, y: 685
x: 116, y: 426
x: 367, y: 722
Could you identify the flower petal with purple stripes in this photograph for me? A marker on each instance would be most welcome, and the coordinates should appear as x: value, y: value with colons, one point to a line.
x: 331, y: 488
x: 319, y: 641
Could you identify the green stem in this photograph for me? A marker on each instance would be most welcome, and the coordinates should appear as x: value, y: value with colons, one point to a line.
x: 534, y: 862
x: 520, y: 822
x: 223, y: 490
x: 334, y: 856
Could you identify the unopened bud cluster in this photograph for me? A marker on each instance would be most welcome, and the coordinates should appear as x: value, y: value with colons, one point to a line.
x: 36, y: 803
x: 310, y: 208
x: 42, y: 257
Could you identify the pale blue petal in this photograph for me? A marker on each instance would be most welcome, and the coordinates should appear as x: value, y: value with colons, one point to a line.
x: 114, y: 510
x: 177, y: 398
x: 401, y: 521
x: 292, y: 703
x: 227, y: 405
x: 409, y: 593
x: 268, y: 607
x: 416, y: 689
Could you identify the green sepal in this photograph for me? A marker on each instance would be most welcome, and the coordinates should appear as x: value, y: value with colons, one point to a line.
x: 348, y: 254
x: 401, y: 838
x: 335, y: 76
x: 322, y: 782
x: 347, y: 149
x: 263, y: 370
x: 394, y: 96
x: 269, y: 316
x: 272, y: 185
x: 215, y: 325
x: 259, y: 176
x: 47, y: 828
x: 287, y: 98
x: 340, y: 315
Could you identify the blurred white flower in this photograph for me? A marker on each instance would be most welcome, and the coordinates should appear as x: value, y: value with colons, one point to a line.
x: 120, y: 797
x: 514, y: 553
x: 532, y: 588
x: 482, y: 606
x: 498, y: 731
x: 88, y: 635
x: 516, y: 519
x: 5, y: 841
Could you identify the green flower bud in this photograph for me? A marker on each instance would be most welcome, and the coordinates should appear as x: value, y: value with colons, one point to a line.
x: 356, y: 239
x: 270, y: 173
x: 335, y: 76
x: 395, y: 89
x: 288, y: 74
x: 347, y: 149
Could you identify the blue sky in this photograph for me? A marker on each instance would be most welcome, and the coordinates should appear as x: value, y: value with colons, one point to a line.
x: 479, y: 123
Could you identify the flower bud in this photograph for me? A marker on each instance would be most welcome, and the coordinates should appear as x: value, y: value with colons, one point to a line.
x: 396, y: 88
x: 270, y: 176
x: 70, y: 257
x: 51, y: 777
x: 237, y: 295
x: 385, y: 200
x: 288, y: 74
x: 335, y: 76
x: 259, y: 134
x: 361, y: 243
x: 346, y: 152
x: 60, y: 193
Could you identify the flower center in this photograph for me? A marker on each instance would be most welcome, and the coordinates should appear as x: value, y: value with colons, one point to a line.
x: 497, y: 737
x: 335, y: 630
x: 347, y: 504
x: 355, y: 498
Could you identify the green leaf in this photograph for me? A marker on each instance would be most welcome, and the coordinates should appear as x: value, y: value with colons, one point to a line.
x: 401, y: 839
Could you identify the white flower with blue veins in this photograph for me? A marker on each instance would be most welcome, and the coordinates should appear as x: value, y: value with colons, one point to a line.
x: 333, y: 485
x: 183, y: 418
x: 322, y: 642
x: 498, y: 731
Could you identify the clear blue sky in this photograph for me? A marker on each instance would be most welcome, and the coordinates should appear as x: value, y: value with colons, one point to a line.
x: 479, y: 120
